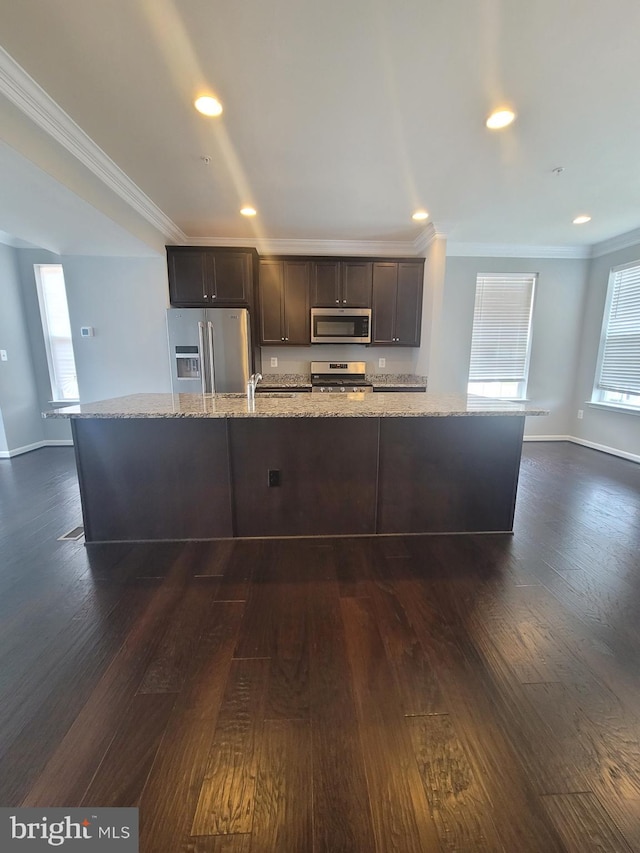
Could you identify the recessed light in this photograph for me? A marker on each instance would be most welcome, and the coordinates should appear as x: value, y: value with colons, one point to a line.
x: 500, y: 118
x: 580, y: 220
x: 248, y: 211
x: 208, y: 106
x: 420, y: 215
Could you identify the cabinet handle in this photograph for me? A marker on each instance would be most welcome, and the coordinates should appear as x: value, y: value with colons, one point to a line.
x: 205, y: 296
x: 281, y: 339
x: 337, y: 300
x: 344, y: 300
x: 213, y: 295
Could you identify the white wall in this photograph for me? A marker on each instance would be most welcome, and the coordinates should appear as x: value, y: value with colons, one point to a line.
x: 125, y: 300
x: 604, y: 428
x: 556, y: 330
x: 22, y: 422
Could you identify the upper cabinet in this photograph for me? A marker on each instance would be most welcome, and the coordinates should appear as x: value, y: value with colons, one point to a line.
x: 206, y: 277
x: 397, y: 303
x: 346, y: 283
x: 284, y: 302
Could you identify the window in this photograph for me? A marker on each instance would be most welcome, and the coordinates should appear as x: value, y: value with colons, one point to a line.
x: 501, y: 338
x: 56, y: 328
x: 618, y: 372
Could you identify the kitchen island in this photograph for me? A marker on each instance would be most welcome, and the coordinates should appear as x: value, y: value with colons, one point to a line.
x: 187, y: 466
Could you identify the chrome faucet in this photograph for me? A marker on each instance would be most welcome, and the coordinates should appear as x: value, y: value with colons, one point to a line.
x: 251, y: 385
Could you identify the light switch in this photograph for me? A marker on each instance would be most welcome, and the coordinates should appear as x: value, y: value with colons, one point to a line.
x: 274, y: 362
x: 3, y: 355
x: 86, y: 331
x: 382, y: 362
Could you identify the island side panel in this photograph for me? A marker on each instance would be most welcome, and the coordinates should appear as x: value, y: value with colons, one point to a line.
x: 328, y: 471
x: 153, y: 478
x: 448, y: 474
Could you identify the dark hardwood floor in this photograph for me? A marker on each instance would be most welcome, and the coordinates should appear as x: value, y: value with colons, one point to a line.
x: 400, y: 694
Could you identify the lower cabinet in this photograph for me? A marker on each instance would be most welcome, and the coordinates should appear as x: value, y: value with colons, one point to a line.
x: 452, y: 474
x: 202, y: 478
x: 153, y: 478
x: 322, y: 473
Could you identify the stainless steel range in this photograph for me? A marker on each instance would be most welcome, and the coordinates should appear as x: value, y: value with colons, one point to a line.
x: 339, y: 376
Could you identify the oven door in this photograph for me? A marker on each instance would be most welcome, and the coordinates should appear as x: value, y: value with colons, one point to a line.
x: 341, y: 325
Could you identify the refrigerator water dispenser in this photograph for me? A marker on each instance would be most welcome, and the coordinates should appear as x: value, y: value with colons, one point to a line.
x: 187, y: 363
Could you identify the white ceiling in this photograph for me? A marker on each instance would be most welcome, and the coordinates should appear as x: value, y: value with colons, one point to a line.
x: 343, y: 116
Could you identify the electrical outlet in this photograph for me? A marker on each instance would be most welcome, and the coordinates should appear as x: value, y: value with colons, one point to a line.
x: 580, y: 414
x: 274, y: 477
x: 382, y: 362
x: 274, y: 362
x: 3, y: 355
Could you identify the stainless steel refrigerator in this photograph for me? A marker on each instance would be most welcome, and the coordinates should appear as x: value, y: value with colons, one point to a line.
x: 209, y: 349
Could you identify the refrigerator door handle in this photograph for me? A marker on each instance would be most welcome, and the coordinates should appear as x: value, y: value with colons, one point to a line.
x: 211, y: 364
x: 201, y: 348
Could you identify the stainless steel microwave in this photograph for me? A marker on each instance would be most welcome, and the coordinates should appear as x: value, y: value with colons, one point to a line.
x: 341, y: 325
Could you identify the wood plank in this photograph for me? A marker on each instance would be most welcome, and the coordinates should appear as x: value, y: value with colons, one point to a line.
x: 399, y: 808
x: 167, y: 669
x: 73, y: 764
x: 416, y: 679
x: 122, y: 773
x: 218, y: 844
x: 482, y: 727
x: 342, y: 819
x: 227, y: 795
x: 166, y: 810
x: 54, y: 692
x: 459, y: 804
x: 282, y: 820
x: 584, y: 825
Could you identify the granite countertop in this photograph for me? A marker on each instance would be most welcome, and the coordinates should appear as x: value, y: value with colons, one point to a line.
x: 301, y: 380
x: 284, y: 405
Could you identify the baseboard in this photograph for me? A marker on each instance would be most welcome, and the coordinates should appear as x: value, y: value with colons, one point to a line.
x: 603, y: 448
x: 547, y: 438
x: 54, y: 442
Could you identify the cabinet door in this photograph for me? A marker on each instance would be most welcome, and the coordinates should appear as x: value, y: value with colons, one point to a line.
x: 230, y: 277
x: 385, y: 287
x: 271, y: 302
x: 409, y: 304
x: 356, y: 284
x: 325, y: 277
x: 187, y: 277
x: 297, y: 327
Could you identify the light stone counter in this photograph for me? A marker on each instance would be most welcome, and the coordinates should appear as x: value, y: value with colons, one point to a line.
x: 295, y: 405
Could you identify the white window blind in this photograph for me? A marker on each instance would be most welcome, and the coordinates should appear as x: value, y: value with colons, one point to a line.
x: 56, y: 329
x: 620, y: 359
x: 501, y: 328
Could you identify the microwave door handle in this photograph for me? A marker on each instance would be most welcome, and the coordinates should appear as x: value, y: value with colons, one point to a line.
x: 211, y: 361
x: 201, y: 352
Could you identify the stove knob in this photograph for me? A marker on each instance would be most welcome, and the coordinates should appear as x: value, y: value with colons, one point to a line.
x: 343, y: 389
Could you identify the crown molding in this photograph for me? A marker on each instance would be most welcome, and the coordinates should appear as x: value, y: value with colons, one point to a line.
x: 509, y: 250
x: 278, y: 246
x: 622, y: 241
x: 425, y: 238
x: 23, y: 91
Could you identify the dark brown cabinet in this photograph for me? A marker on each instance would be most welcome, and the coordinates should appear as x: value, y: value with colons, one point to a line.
x: 284, y: 302
x: 210, y: 276
x: 344, y: 283
x: 397, y: 303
